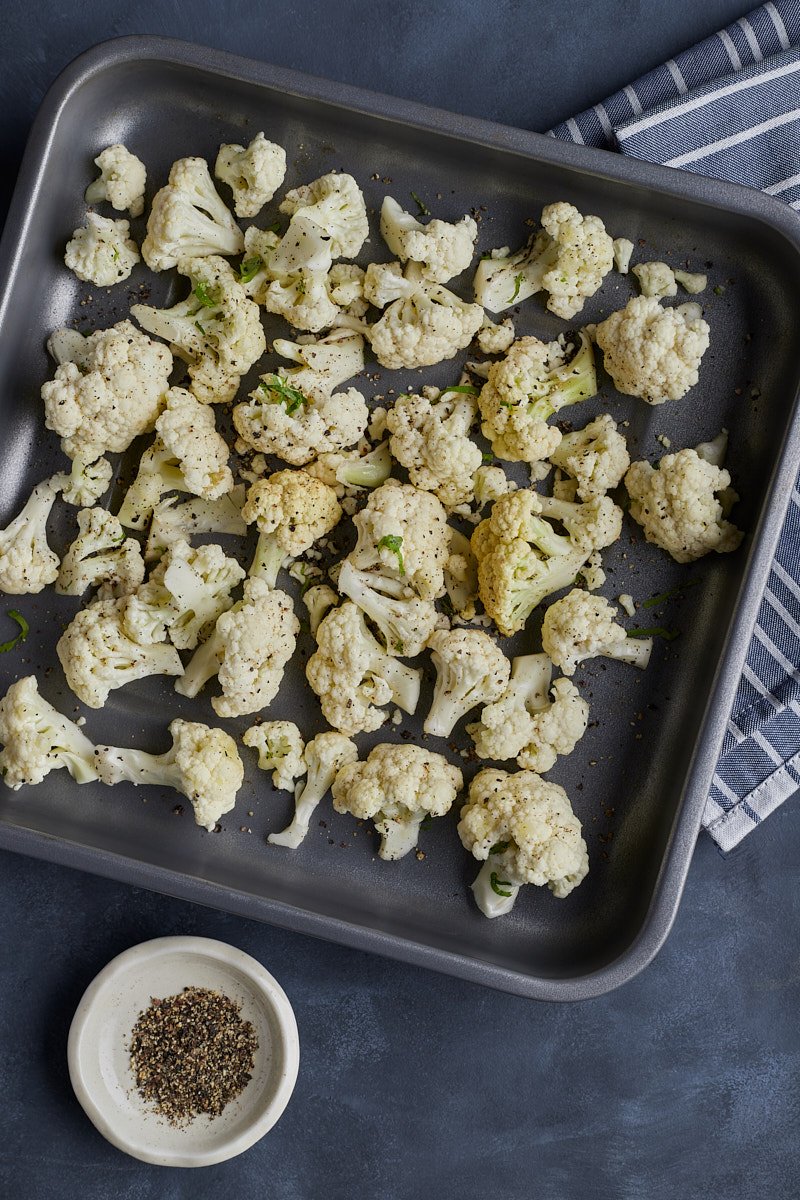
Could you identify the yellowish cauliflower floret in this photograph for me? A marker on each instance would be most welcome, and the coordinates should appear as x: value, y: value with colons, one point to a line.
x: 253, y: 174
x: 493, y: 338
x: 37, y: 739
x: 522, y: 390
x: 111, y: 396
x: 27, y: 564
x: 336, y: 205
x: 443, y: 249
x: 678, y: 505
x: 122, y: 180
x: 280, y: 750
x: 524, y: 830
x: 188, y: 219
x: 397, y: 787
x: 291, y: 510
x: 581, y: 626
x: 656, y: 279
x: 102, y: 251
x: 652, y: 352
x: 596, y: 457
x: 403, y: 534
x: 101, y: 554
x: 430, y: 438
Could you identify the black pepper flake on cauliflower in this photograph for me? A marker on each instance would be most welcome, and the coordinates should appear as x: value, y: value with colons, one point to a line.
x: 653, y: 352
x: 397, y: 788
x: 681, y: 505
x: 522, y: 828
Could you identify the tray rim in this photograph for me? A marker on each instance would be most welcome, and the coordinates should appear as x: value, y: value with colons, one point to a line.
x: 714, y: 194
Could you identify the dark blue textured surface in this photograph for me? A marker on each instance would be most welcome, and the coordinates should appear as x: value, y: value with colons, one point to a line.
x: 684, y: 1083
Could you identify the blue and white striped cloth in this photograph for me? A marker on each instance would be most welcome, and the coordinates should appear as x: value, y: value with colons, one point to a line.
x: 730, y: 108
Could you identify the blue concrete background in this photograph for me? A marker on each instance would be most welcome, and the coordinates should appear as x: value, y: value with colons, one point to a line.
x: 686, y: 1082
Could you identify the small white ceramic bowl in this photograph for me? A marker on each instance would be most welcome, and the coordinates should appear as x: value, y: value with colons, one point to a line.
x: 99, y: 1039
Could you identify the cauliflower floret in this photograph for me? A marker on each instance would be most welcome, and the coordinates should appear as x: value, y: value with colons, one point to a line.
x: 693, y: 284
x: 173, y: 522
x: 470, y: 670
x: 98, y: 655
x: 596, y: 457
x: 280, y: 750
x: 490, y: 484
x: 185, y: 594
x: 297, y: 414
x: 354, y: 676
x: 592, y: 525
x: 293, y: 278
x: 403, y: 534
x: 114, y: 393
x: 102, y: 251
x: 188, y: 219
x: 505, y: 725
x: 404, y: 622
x: 203, y: 763
x: 461, y: 576
x: 443, y: 249
x: 424, y: 322
x: 521, y: 560
x: 534, y: 381
x: 652, y: 352
x: 253, y: 174
x: 679, y: 505
x: 581, y: 626
x: 122, y: 180
x: 493, y: 338
x: 318, y: 600
x: 430, y: 438
x: 336, y: 205
x: 345, y: 285
x: 623, y: 249
x: 353, y: 468
x: 216, y: 330
x: 248, y: 651
x: 324, y: 756
x: 87, y: 482
x: 569, y: 258
x: 397, y: 787
x: 556, y: 729
x: 101, y: 554
x: 656, y: 279
x: 291, y: 510
x: 36, y: 739
x: 524, y: 831
x: 27, y: 564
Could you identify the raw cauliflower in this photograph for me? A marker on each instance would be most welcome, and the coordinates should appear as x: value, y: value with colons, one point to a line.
x: 403, y: 534
x: 592, y: 525
x: 656, y: 279
x: 188, y: 219
x: 443, y: 249
x: 37, y: 739
x: 423, y: 323
x: 101, y: 555
x: 430, y: 438
x: 404, y: 621
x: 581, y: 626
x: 280, y: 750
x: 291, y: 510
x: 523, y: 829
x: 324, y: 756
x: 653, y: 352
x: 253, y: 174
x: 111, y: 396
x: 470, y: 670
x: 397, y: 787
x: 336, y: 205
x: 678, y: 505
x: 122, y: 180
x: 86, y: 482
x: 596, y: 457
x: 27, y: 564
x: 493, y: 338
x: 102, y: 251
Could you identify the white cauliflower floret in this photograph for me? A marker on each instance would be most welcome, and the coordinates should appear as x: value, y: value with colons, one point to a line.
x: 173, y: 522
x: 581, y: 626
x: 318, y: 600
x: 524, y: 831
x: 443, y: 249
x: 27, y: 564
x: 461, y: 576
x: 656, y: 279
x: 122, y: 180
x: 359, y: 468
x: 403, y: 534
x: 188, y: 219
x: 592, y: 572
x: 98, y: 655
x: 253, y: 174
x: 404, y: 622
x: 291, y: 510
x: 691, y: 283
x: 345, y: 285
x: 521, y: 560
x: 203, y: 763
x: 679, y: 505
x: 623, y: 249
x: 185, y: 594
x: 248, y: 651
x: 216, y: 330
x: 568, y: 258
x: 652, y: 352
x: 189, y: 455
x: 280, y: 750
x: 86, y: 482
x: 495, y: 339
x: 490, y: 484
x: 557, y: 728
x: 336, y: 205
x: 102, y: 251
x: 353, y: 675
x: 297, y: 414
x: 596, y: 457
x: 37, y: 739
x: 292, y: 276
x: 101, y: 554
x: 425, y: 324
x: 109, y: 397
x: 470, y: 670
x: 397, y: 788
x: 522, y: 390
x: 324, y: 756
x: 430, y: 438
x: 592, y: 525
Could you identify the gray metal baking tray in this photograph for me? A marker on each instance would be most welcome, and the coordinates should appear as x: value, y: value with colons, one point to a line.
x: 640, y: 777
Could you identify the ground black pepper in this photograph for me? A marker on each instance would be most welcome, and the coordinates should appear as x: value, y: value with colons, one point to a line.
x: 192, y: 1053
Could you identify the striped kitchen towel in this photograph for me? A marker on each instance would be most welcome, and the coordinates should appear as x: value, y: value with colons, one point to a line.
x: 730, y: 108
